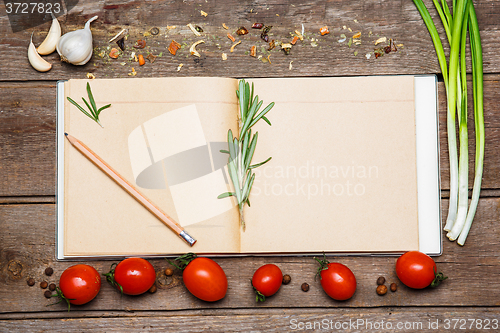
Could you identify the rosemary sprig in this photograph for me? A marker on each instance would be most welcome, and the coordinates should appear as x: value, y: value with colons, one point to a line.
x: 94, y: 112
x: 241, y: 149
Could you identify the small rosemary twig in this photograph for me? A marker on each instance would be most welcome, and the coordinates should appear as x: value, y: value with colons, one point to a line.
x: 241, y: 149
x: 94, y: 112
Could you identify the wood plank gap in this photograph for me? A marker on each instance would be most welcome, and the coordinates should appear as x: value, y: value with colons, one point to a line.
x: 28, y: 200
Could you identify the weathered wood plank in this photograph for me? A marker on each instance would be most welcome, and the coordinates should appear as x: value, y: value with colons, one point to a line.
x: 27, y: 238
x: 394, y: 19
x: 27, y: 136
x: 283, y: 320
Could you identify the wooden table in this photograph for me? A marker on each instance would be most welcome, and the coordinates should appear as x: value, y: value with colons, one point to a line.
x: 28, y: 168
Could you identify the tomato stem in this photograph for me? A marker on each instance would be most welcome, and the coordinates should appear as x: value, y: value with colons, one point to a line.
x: 110, y: 277
x: 183, y: 260
x: 323, y: 265
x: 61, y: 296
x: 438, y: 278
x: 259, y: 297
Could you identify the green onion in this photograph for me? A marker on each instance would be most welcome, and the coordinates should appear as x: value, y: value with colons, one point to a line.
x: 460, y: 217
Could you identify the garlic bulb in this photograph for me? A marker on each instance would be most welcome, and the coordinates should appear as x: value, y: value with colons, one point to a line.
x: 75, y: 47
x: 35, y: 60
x: 49, y: 44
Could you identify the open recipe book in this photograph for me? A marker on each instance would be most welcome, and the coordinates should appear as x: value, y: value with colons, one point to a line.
x: 354, y: 167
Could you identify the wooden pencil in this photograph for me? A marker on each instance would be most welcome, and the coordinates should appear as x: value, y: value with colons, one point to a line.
x: 130, y: 189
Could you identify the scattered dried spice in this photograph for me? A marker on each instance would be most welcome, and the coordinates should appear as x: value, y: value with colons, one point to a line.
x: 286, y: 279
x: 173, y: 47
x: 286, y: 47
x: 47, y: 294
x: 234, y: 45
x: 294, y: 40
x: 253, y: 51
x: 380, y: 280
x: 114, y: 53
x: 118, y: 35
x: 121, y: 43
x: 350, y: 42
x: 133, y: 73
x: 231, y: 37
x: 193, y: 50
x: 301, y: 37
x: 193, y: 29
x: 203, y: 13
x: 169, y: 272
x: 90, y: 76
x: 381, y: 290
x: 324, y: 30
x: 343, y: 38
x: 154, y: 31
x: 378, y: 52
x: 225, y: 26
x: 290, y: 66
x: 357, y: 35
x: 179, y: 67
x: 393, y: 287
x: 153, y: 289
x: 146, y: 34
x: 272, y: 45
x: 304, y: 287
x: 257, y: 26
x: 151, y: 57
x: 140, y: 44
x: 141, y: 60
x: 381, y: 40
x: 43, y: 284
x: 49, y: 271
x: 269, y: 58
x: 224, y: 56
x: 265, y: 32
x: 241, y: 31
x: 198, y: 28
x: 52, y: 286
x: 30, y: 282
x: 368, y: 55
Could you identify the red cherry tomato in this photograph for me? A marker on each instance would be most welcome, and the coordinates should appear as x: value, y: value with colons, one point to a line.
x: 134, y: 275
x: 417, y: 270
x: 80, y: 284
x: 267, y: 280
x: 205, y: 279
x: 337, y: 280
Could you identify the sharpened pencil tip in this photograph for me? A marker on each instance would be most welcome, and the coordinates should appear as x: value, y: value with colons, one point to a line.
x: 65, y: 133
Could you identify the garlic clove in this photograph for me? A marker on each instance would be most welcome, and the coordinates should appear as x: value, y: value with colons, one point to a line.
x: 49, y: 44
x: 36, y: 61
x: 75, y: 47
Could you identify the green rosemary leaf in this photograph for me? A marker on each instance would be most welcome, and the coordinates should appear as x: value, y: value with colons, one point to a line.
x: 232, y: 151
x: 259, y: 164
x: 79, y: 107
x: 262, y: 114
x: 247, y: 96
x: 250, y: 188
x: 244, y: 145
x: 242, y: 100
x: 225, y: 195
x: 246, y: 187
x: 251, y: 93
x: 90, y: 109
x: 234, y: 178
x: 266, y: 120
x: 250, y: 117
x: 103, y: 108
x: 224, y: 151
x: 93, y: 112
x: 251, y: 150
x: 91, y: 98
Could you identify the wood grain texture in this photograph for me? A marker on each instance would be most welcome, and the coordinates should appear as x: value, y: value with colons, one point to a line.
x: 394, y: 19
x: 27, y: 241
x: 283, y: 320
x: 27, y: 133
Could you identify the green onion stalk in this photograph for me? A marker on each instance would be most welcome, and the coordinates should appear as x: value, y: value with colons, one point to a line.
x: 460, y: 216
